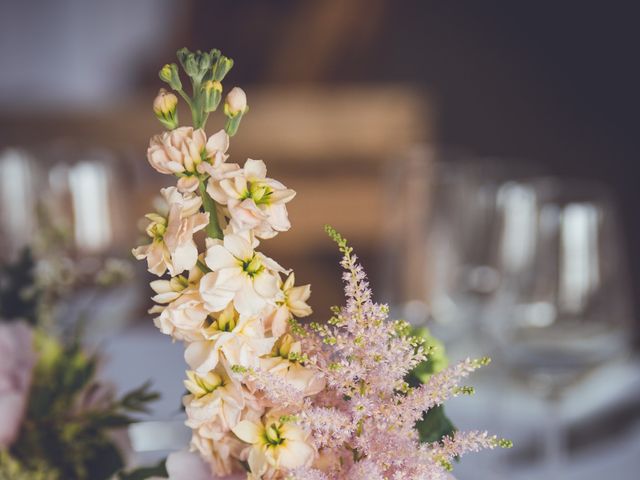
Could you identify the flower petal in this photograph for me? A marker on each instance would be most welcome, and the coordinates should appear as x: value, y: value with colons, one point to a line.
x: 218, y: 257
x: 201, y: 356
x: 238, y: 246
x: 255, y: 169
x: 294, y: 453
x: 266, y: 284
x: 247, y: 431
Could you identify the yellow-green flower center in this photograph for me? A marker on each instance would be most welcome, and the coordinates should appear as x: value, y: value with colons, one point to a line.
x: 272, y: 435
x: 259, y: 193
x: 252, y: 266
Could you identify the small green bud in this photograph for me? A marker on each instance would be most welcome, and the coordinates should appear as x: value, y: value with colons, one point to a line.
x: 212, y: 95
x: 169, y: 74
x: 189, y: 62
x: 221, y: 68
x: 214, y: 54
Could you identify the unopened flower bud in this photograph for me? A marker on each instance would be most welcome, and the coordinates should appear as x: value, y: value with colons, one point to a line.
x: 235, y: 106
x: 164, y: 106
x: 236, y: 102
x: 221, y: 68
x: 212, y: 95
x: 169, y: 74
x: 189, y: 62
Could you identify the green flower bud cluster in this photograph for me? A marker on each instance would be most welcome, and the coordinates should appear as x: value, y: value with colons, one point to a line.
x: 206, y: 71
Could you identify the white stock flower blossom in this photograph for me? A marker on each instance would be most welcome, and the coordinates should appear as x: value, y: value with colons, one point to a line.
x: 275, y: 444
x: 284, y: 362
x: 221, y: 455
x: 240, y: 275
x: 184, y: 318
x: 183, y: 149
x: 291, y: 302
x: 172, y: 247
x: 254, y: 201
x: 214, y: 403
x: 239, y: 338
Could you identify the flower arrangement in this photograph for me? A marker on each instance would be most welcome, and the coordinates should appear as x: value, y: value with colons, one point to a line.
x: 271, y: 397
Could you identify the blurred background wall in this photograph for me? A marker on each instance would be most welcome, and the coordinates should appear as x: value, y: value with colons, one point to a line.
x: 554, y: 84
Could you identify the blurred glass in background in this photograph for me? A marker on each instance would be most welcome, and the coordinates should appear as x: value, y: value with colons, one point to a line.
x: 497, y: 259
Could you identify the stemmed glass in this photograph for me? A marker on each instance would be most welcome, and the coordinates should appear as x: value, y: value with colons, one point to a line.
x: 441, y: 263
x: 562, y: 308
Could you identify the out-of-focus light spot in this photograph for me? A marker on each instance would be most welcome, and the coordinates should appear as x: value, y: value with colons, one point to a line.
x: 580, y: 268
x: 17, y: 200
x: 518, y: 205
x: 88, y: 182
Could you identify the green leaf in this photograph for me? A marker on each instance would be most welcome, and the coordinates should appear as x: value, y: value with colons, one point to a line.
x: 137, y: 400
x: 434, y: 425
x: 102, y: 461
x: 159, y: 470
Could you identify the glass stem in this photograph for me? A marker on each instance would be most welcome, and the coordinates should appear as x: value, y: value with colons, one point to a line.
x: 554, y: 442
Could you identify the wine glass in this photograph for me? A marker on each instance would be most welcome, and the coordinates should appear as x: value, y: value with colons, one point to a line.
x: 562, y: 308
x: 441, y: 265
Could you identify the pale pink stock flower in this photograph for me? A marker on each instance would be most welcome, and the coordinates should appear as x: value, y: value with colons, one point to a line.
x: 183, y: 150
x: 239, y: 338
x: 240, y: 275
x: 214, y: 403
x: 254, y: 201
x: 274, y: 444
x: 183, y: 318
x: 166, y: 291
x: 284, y: 362
x: 292, y: 302
x: 222, y: 456
x: 172, y: 247
x: 16, y: 368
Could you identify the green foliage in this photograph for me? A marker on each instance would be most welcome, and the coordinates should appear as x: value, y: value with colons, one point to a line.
x: 11, y: 469
x: 437, y: 360
x: 434, y: 424
x: 159, y: 470
x: 70, y: 416
x: 19, y: 297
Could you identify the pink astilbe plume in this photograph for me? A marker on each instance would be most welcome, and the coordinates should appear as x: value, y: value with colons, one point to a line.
x: 365, y: 418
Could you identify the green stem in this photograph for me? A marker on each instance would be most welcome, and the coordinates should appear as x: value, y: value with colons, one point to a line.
x: 197, y: 109
x: 213, y: 229
x: 202, y: 266
x: 185, y: 98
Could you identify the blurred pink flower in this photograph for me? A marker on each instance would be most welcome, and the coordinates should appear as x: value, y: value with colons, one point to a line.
x: 16, y: 367
x: 186, y: 465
